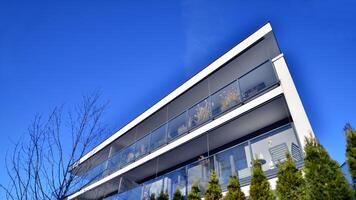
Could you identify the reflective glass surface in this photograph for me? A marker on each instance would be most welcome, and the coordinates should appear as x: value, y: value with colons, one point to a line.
x: 225, y: 99
x: 178, y: 126
x: 159, y: 137
x: 199, y: 113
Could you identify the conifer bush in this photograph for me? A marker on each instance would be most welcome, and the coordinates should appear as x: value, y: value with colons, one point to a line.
x: 290, y: 183
x: 350, y: 134
x: 163, y: 196
x: 260, y: 188
x: 194, y: 193
x: 234, y: 191
x: 323, y: 176
x: 178, y: 195
x: 213, y: 190
x: 153, y: 196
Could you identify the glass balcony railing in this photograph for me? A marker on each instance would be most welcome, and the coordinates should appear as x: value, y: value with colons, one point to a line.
x: 234, y: 94
x: 269, y: 148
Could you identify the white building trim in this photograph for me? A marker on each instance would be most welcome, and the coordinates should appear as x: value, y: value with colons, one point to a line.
x: 296, y: 109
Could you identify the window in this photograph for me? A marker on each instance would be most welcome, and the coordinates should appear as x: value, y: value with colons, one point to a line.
x: 174, y: 180
x: 177, y: 126
x: 128, y: 155
x: 257, y: 80
x: 199, y: 113
x: 158, y: 137
x: 225, y: 99
x: 232, y: 162
x: 142, y: 147
x: 153, y: 187
x: 199, y: 172
x: 271, y: 148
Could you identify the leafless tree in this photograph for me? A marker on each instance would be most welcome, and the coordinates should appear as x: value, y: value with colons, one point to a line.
x: 39, y: 166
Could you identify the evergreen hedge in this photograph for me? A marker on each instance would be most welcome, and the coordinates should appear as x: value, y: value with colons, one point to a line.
x: 323, y: 176
x: 290, y: 183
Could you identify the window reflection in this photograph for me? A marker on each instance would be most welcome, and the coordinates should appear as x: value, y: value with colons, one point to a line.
x: 199, y: 172
x: 174, y: 180
x: 225, y: 99
x: 199, y: 113
x: 177, y: 126
x: 158, y: 137
x: 154, y: 187
x: 232, y: 162
x: 128, y: 155
x: 257, y: 80
x: 142, y: 146
x: 271, y: 148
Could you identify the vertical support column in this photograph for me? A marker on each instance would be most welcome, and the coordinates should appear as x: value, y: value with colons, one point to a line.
x: 294, y: 103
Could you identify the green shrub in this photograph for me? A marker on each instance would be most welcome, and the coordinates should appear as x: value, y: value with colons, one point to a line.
x: 290, y: 183
x: 194, y: 193
x: 234, y: 191
x: 177, y: 195
x: 323, y: 176
x: 260, y: 188
x: 213, y: 190
x: 163, y: 196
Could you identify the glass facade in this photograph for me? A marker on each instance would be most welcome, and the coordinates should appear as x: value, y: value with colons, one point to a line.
x: 178, y: 126
x: 230, y: 96
x: 225, y: 99
x: 257, y: 80
x: 269, y: 148
x: 159, y: 137
x: 199, y: 173
x: 199, y: 113
x: 233, y: 162
x: 142, y: 147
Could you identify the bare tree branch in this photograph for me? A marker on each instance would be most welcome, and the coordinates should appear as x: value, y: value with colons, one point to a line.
x: 39, y: 166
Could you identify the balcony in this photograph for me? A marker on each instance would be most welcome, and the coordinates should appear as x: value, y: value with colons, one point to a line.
x: 233, y: 95
x: 269, y: 148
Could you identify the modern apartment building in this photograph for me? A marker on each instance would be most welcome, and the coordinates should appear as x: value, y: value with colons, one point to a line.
x: 241, y: 107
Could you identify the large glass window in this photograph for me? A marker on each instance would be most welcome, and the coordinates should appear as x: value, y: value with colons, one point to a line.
x: 152, y: 187
x: 271, y: 148
x: 225, y: 99
x: 257, y: 80
x: 232, y: 162
x: 199, y: 173
x: 199, y: 113
x: 114, y: 163
x: 159, y: 137
x: 176, y: 180
x: 142, y: 147
x: 133, y: 194
x: 178, y: 126
x: 128, y: 155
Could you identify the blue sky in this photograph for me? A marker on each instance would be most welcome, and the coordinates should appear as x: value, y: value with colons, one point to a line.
x: 52, y: 52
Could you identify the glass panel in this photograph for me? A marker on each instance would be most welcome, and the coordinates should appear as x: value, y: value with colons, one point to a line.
x: 133, y: 194
x: 174, y: 180
x: 271, y: 148
x: 128, y: 155
x: 94, y: 173
x: 225, y: 98
x: 199, y: 172
x: 114, y: 163
x: 154, y: 187
x: 158, y: 137
x: 257, y: 80
x: 199, y: 113
x: 142, y: 146
x: 177, y: 126
x: 232, y: 162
